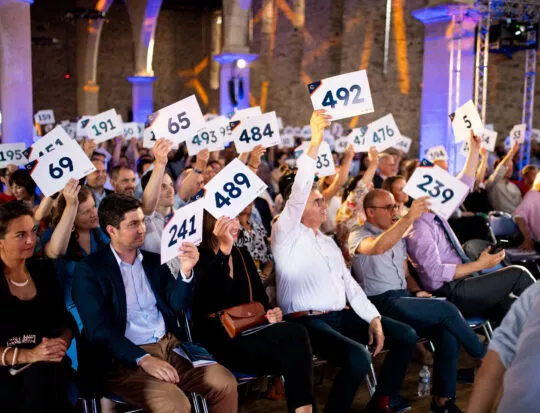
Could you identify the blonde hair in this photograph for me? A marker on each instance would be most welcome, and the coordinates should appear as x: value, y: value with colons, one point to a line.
x: 536, y: 183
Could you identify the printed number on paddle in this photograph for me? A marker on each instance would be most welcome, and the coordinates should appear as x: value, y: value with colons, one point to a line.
x: 256, y: 134
x: 57, y: 172
x: 104, y: 127
x: 10, y: 155
x: 182, y: 232
x: 322, y: 161
x: 232, y: 189
x: 344, y: 95
x: 436, y: 191
x: 205, y: 138
x: 183, y: 123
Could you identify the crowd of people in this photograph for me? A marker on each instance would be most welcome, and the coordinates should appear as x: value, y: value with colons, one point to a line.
x: 343, y: 267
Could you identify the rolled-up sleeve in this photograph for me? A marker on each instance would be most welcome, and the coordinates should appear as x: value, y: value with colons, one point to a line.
x: 423, y: 251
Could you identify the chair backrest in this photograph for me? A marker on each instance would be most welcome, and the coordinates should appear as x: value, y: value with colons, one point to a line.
x: 502, y: 223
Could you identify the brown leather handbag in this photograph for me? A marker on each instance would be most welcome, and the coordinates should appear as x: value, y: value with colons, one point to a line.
x: 242, y: 317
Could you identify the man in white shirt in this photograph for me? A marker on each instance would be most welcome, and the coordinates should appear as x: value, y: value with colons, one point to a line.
x: 314, y: 284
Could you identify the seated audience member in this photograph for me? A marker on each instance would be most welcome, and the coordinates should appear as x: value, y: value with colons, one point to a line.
x: 528, y: 175
x: 123, y: 180
x: 190, y: 181
x: 76, y: 215
x: 527, y: 217
x: 387, y: 168
x: 7, y: 193
x: 395, y: 185
x: 280, y: 162
x: 35, y: 327
x: 254, y: 238
x: 503, y: 358
x: 24, y: 188
x: 144, y: 165
x: 314, y: 284
x: 380, y: 265
x: 503, y: 194
x: 445, y: 270
x: 227, y: 276
x: 128, y: 304
x: 96, y: 181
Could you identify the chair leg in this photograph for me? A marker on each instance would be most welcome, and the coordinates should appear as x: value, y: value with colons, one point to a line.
x: 195, y: 401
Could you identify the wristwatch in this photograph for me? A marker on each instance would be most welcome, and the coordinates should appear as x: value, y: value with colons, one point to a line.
x: 197, y: 171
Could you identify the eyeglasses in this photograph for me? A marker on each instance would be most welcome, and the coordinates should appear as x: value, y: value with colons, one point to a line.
x: 389, y: 208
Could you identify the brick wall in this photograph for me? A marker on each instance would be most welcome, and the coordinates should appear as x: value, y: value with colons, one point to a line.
x: 340, y: 36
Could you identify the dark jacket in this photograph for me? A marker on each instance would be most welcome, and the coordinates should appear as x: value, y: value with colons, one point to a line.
x: 100, y: 297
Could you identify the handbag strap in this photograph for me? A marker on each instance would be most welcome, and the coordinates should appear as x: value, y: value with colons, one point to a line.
x: 247, y: 274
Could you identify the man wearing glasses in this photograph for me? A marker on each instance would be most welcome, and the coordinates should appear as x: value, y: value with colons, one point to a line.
x: 380, y: 264
x: 314, y: 285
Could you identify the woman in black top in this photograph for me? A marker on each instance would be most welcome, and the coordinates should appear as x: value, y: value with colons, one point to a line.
x: 221, y: 282
x: 35, y: 327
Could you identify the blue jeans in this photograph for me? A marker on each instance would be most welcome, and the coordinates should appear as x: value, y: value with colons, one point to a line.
x: 340, y: 337
x: 442, y: 323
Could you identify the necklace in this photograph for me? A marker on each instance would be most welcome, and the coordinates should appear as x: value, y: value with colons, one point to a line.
x: 23, y: 284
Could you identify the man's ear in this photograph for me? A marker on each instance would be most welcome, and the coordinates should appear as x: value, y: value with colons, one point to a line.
x: 111, y: 231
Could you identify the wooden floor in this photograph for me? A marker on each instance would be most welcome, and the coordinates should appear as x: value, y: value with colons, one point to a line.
x: 409, y: 390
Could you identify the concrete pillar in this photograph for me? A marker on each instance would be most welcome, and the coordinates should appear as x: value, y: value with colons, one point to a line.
x: 88, y: 36
x: 143, y: 15
x: 143, y: 97
x: 16, y: 71
x: 434, y: 125
x: 234, y: 77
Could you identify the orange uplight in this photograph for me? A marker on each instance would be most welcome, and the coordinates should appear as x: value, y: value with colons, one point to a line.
x: 401, y: 47
x: 353, y: 122
x: 366, y: 47
x: 199, y: 89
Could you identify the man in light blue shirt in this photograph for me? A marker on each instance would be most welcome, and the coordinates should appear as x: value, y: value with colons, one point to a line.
x: 503, y: 351
x: 128, y: 303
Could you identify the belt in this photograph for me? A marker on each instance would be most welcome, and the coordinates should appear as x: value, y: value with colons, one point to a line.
x: 307, y: 313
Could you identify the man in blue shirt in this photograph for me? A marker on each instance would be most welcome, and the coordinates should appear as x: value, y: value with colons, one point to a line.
x: 380, y: 265
x: 128, y: 304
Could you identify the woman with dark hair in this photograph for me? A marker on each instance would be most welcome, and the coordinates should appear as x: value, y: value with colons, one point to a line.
x: 24, y: 188
x: 74, y: 235
x: 226, y: 276
x: 394, y: 185
x: 35, y: 327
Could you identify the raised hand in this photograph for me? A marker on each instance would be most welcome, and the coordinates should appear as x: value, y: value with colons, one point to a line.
x: 224, y: 231
x: 418, y: 208
x: 71, y: 192
x: 161, y: 151
x: 256, y: 155
x: 319, y: 121
x: 189, y: 256
x: 373, y: 156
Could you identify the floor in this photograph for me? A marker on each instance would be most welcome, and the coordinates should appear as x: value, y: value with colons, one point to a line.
x: 409, y: 390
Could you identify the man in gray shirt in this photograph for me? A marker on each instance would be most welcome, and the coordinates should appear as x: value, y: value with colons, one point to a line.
x: 512, y: 347
x: 380, y: 264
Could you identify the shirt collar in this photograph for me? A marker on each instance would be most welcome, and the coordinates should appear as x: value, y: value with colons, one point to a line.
x: 427, y: 217
x: 372, y: 228
x: 119, y: 260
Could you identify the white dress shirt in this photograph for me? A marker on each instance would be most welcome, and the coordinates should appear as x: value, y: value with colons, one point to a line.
x: 310, y: 270
x: 144, y: 321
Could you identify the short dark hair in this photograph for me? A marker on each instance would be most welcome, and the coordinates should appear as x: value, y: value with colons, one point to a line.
x: 10, y: 211
x: 114, y: 207
x: 371, y: 196
x: 116, y: 171
x: 146, y: 178
x: 141, y: 164
x: 21, y: 177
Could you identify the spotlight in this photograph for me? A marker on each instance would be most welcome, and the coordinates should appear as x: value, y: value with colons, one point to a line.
x: 241, y: 63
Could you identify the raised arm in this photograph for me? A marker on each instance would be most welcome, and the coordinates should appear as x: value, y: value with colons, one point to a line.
x: 255, y: 157
x: 189, y: 185
x: 341, y: 176
x: 153, y: 188
x: 44, y: 208
x: 57, y: 246
x: 373, y: 156
x: 481, y: 172
x: 502, y: 167
x: 385, y: 241
x: 303, y: 181
x: 471, y: 164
